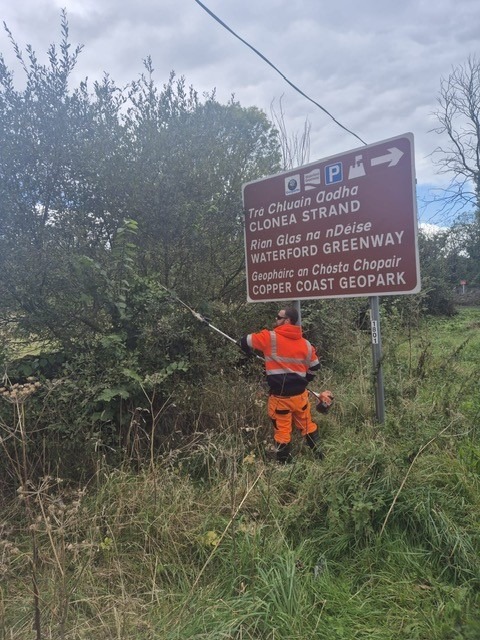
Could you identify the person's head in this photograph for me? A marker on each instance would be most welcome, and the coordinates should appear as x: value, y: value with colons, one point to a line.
x: 289, y: 315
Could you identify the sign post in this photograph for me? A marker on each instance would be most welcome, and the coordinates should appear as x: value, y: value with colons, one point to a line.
x: 377, y: 359
x: 343, y: 226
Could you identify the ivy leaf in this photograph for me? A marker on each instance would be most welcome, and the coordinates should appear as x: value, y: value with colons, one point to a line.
x: 133, y: 375
x: 108, y: 394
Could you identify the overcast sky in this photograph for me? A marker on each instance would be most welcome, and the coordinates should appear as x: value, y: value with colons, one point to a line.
x: 375, y: 65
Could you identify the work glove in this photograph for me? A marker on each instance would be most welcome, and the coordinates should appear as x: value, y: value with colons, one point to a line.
x: 201, y: 318
x: 244, y: 347
x: 325, y: 402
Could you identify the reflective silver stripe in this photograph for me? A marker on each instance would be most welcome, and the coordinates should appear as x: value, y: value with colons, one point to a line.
x: 270, y: 372
x: 249, y: 341
x: 273, y: 343
x: 309, y: 354
x: 311, y: 363
x: 274, y: 357
x: 281, y: 359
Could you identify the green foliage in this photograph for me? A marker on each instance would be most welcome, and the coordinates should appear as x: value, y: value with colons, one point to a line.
x: 118, y: 185
x: 464, y: 251
x: 436, y: 283
x: 210, y: 539
x: 446, y: 258
x: 105, y: 194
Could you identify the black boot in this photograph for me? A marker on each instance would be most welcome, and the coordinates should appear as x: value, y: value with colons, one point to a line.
x: 312, y: 441
x: 284, y: 455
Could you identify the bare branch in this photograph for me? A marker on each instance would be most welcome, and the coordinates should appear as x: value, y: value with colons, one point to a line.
x: 295, y: 147
x: 459, y: 117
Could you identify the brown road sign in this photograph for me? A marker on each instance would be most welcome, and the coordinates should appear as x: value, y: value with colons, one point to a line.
x: 339, y: 227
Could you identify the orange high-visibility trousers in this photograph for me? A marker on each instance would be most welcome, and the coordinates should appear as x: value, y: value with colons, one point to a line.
x: 284, y: 412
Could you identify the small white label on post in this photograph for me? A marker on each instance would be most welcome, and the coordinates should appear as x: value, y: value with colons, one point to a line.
x: 374, y: 332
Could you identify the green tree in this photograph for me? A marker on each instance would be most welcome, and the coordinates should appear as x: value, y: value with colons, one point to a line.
x: 74, y: 165
x: 191, y: 160
x: 462, y: 248
x: 106, y: 194
x: 436, y: 294
x: 54, y: 146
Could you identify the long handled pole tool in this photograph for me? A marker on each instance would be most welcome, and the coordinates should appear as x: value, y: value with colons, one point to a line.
x: 199, y: 316
x: 206, y: 321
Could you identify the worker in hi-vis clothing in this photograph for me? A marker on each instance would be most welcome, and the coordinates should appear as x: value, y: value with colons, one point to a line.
x: 290, y: 360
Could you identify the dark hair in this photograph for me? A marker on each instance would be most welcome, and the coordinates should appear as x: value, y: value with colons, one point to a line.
x: 292, y: 314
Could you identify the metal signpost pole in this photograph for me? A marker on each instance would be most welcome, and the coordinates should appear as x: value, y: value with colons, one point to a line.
x: 377, y: 358
x: 296, y: 304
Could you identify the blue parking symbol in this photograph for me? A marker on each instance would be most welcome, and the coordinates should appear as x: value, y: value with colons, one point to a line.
x: 333, y: 173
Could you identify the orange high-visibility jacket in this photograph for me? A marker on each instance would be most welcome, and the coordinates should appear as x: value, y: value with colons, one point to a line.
x: 289, y: 358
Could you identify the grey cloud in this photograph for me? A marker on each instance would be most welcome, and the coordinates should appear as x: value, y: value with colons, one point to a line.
x: 375, y: 65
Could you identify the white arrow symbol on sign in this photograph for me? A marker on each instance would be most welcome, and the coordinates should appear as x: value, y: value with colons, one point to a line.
x: 392, y: 157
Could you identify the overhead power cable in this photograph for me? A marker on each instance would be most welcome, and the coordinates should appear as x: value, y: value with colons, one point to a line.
x: 302, y: 93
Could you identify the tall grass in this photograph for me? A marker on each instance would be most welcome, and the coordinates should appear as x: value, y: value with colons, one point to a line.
x: 213, y: 540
